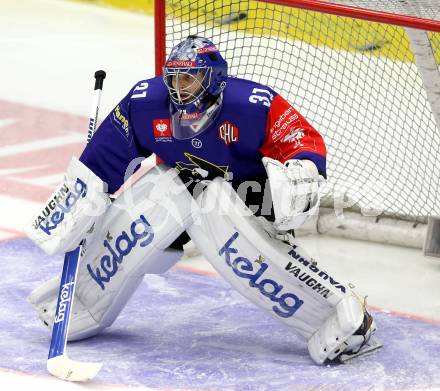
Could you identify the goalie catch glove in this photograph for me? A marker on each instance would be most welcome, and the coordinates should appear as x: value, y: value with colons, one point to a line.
x: 295, y: 191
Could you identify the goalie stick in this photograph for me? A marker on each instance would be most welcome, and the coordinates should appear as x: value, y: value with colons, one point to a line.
x: 58, y: 363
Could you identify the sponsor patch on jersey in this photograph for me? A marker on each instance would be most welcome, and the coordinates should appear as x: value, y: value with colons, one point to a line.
x: 162, y: 129
x: 119, y: 119
x: 285, y: 121
x: 228, y: 132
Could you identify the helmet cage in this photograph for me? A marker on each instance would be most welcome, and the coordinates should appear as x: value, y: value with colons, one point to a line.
x: 187, y: 95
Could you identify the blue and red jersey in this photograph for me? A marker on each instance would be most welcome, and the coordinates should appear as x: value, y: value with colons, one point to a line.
x: 254, y: 121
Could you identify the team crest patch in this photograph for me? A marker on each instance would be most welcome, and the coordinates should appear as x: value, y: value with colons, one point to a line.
x: 162, y: 129
x: 228, y: 133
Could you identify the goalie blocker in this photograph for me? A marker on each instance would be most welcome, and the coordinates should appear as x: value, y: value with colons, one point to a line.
x: 277, y: 276
x: 70, y: 211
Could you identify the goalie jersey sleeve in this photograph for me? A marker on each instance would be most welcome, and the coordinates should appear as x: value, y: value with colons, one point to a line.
x: 113, y: 147
x: 290, y: 136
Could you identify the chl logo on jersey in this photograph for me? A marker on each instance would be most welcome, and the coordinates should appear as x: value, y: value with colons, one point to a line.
x: 162, y: 129
x: 228, y: 133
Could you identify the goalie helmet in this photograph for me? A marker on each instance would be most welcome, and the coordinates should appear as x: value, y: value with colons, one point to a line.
x: 195, y: 75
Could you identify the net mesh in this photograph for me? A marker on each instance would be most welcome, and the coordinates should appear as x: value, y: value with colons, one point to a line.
x: 357, y: 82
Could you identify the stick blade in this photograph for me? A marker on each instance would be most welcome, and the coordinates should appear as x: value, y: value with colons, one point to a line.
x: 65, y: 368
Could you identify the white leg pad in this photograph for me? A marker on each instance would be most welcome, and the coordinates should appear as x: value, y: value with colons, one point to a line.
x: 132, y: 240
x: 280, y: 278
x: 277, y: 276
x: 83, y: 324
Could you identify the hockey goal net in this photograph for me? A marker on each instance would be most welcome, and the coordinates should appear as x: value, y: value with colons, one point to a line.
x: 365, y: 73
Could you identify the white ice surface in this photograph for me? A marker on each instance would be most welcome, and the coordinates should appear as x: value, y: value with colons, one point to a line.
x: 50, y: 50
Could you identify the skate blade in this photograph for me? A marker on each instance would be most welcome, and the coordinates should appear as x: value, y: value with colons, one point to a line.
x: 371, y: 346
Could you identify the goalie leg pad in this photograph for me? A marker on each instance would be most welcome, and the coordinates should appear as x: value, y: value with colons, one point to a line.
x: 131, y: 241
x: 277, y: 276
x: 83, y: 324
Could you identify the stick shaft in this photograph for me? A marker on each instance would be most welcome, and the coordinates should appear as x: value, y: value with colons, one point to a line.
x: 65, y: 302
x: 71, y: 258
x: 93, y: 118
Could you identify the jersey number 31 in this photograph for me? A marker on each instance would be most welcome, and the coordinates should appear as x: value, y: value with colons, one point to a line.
x: 261, y: 96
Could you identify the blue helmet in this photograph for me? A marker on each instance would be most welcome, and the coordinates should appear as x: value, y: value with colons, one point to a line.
x: 195, y: 56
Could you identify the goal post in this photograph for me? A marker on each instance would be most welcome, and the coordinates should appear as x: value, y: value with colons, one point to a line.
x: 365, y: 73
